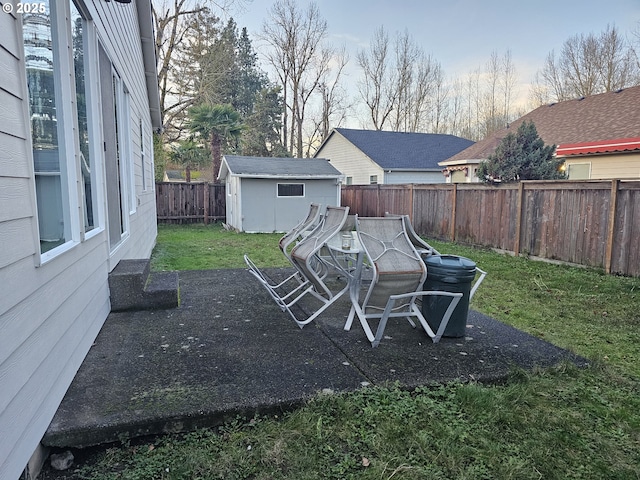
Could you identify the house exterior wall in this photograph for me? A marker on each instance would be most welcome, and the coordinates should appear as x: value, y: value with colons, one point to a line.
x: 263, y: 211
x: 626, y: 165
x: 350, y: 161
x: 51, y: 311
x: 399, y: 177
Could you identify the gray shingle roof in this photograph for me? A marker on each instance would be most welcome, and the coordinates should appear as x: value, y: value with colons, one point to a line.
x: 280, y: 167
x: 606, y: 116
x: 400, y: 150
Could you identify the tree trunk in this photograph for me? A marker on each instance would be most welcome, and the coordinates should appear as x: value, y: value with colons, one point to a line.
x: 216, y: 155
x: 188, y: 173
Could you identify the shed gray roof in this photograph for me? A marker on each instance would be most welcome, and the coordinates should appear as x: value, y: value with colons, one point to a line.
x: 264, y: 167
x: 405, y: 151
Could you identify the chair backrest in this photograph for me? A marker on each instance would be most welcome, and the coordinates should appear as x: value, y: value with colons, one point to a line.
x: 414, y: 238
x: 303, y: 255
x: 306, y: 224
x: 397, y: 266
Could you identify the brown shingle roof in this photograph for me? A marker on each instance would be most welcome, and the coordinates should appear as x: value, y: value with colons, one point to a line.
x: 589, y: 119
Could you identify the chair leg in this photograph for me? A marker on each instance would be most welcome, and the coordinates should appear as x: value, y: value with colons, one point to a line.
x: 478, y: 282
x: 455, y: 299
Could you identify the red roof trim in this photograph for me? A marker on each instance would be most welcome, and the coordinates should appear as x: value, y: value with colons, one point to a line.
x: 604, y: 146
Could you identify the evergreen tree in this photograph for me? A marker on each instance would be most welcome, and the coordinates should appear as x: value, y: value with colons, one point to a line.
x: 263, y: 126
x: 521, y: 156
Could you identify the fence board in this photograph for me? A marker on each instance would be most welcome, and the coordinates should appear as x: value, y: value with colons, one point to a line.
x: 626, y: 247
x: 182, y: 203
x: 561, y: 220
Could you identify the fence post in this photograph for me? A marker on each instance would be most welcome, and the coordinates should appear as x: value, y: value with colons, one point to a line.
x: 613, y: 203
x: 206, y: 203
x: 519, y: 206
x: 454, y: 201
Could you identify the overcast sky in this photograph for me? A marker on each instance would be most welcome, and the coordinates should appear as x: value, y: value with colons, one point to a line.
x: 462, y: 34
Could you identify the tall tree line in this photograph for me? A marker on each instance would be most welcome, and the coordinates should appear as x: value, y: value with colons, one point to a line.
x: 203, y: 62
x: 400, y: 86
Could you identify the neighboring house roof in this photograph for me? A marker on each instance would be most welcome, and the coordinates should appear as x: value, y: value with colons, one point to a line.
x: 401, y: 150
x: 606, y: 146
x: 268, y: 167
x: 598, y: 118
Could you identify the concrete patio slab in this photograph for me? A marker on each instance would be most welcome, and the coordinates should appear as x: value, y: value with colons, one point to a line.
x: 228, y: 350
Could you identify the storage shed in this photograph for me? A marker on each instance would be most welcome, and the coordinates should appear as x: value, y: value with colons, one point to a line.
x: 273, y: 194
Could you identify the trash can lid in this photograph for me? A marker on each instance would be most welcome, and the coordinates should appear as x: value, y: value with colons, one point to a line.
x: 450, y: 265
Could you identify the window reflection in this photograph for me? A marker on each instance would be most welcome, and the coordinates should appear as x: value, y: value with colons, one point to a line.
x: 41, y: 62
x: 79, y: 66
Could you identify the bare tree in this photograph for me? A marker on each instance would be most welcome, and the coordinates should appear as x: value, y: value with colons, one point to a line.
x: 404, y: 81
x: 296, y: 54
x: 333, y: 102
x: 401, y: 91
x: 181, y: 25
x: 508, y: 81
x: 376, y: 87
x: 500, y: 80
x: 587, y: 65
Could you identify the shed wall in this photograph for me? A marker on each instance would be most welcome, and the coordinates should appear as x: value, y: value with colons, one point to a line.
x: 263, y: 211
x: 396, y: 177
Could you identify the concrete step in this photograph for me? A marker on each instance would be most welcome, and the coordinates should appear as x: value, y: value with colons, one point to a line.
x: 132, y: 287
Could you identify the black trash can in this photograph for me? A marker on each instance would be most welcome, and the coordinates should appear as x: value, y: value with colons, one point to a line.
x: 448, y: 273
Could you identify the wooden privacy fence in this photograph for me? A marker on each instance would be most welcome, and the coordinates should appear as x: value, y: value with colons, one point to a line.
x: 190, y: 202
x: 594, y: 223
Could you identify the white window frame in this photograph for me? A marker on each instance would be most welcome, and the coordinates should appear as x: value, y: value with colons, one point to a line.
x: 73, y: 195
x: 93, y: 124
x: 304, y: 190
x: 373, y: 179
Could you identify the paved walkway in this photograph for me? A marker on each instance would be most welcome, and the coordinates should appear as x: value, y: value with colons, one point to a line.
x: 228, y: 350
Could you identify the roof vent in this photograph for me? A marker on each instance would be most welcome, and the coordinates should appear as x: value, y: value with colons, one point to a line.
x: 580, y: 99
x: 619, y: 90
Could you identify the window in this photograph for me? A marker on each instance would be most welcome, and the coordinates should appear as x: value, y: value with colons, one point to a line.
x: 291, y: 190
x: 60, y: 129
x: 81, y: 74
x: 349, y: 181
x: 373, y: 179
x: 458, y: 176
x: 579, y: 171
x: 116, y: 128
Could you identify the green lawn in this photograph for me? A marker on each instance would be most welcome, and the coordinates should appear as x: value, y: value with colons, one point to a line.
x: 557, y: 423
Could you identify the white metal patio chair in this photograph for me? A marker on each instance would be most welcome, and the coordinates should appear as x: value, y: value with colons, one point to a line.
x: 310, y: 268
x: 423, y: 248
x: 398, y: 276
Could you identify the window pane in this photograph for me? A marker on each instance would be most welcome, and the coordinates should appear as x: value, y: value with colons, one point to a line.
x: 79, y: 66
x: 41, y: 59
x: 291, y: 190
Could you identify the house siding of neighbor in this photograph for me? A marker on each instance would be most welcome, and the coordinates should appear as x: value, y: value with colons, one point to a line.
x: 370, y: 156
x: 61, y: 227
x: 273, y: 194
x: 597, y: 136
